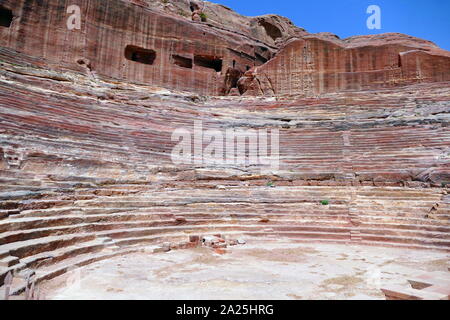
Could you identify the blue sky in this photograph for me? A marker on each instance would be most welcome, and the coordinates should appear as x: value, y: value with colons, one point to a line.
x: 428, y: 19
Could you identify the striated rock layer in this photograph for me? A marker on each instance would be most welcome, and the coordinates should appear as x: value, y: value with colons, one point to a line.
x: 86, y: 118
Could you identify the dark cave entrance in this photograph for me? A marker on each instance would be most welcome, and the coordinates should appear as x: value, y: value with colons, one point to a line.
x: 208, y: 62
x: 140, y: 55
x: 271, y: 30
x: 231, y: 80
x: 182, y: 61
x: 193, y: 6
x: 6, y: 17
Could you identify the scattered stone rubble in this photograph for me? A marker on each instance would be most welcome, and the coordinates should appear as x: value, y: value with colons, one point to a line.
x: 217, y: 242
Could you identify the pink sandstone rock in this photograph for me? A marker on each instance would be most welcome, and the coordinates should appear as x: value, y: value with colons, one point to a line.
x: 87, y: 116
x: 313, y: 66
x: 218, y: 53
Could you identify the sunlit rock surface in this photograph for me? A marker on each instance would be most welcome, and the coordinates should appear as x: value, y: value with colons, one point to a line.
x: 86, y: 119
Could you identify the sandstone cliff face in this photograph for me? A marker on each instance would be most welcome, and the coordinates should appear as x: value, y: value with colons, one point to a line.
x: 185, y: 55
x: 313, y: 65
x: 156, y: 43
x: 86, y: 118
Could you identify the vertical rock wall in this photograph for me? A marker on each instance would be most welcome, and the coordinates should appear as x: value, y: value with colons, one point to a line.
x: 313, y: 66
x: 209, y: 58
x: 40, y: 29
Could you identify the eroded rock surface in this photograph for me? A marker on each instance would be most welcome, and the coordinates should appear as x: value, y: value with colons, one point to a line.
x: 156, y: 42
x: 86, y: 119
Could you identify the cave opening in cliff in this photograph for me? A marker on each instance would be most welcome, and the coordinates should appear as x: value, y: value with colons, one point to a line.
x: 231, y: 79
x: 193, y: 6
x: 140, y: 55
x: 6, y: 17
x: 208, y: 62
x: 182, y: 61
x: 260, y: 58
x: 271, y: 30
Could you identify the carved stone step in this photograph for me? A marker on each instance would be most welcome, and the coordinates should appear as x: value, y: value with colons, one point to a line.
x: 9, y: 261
